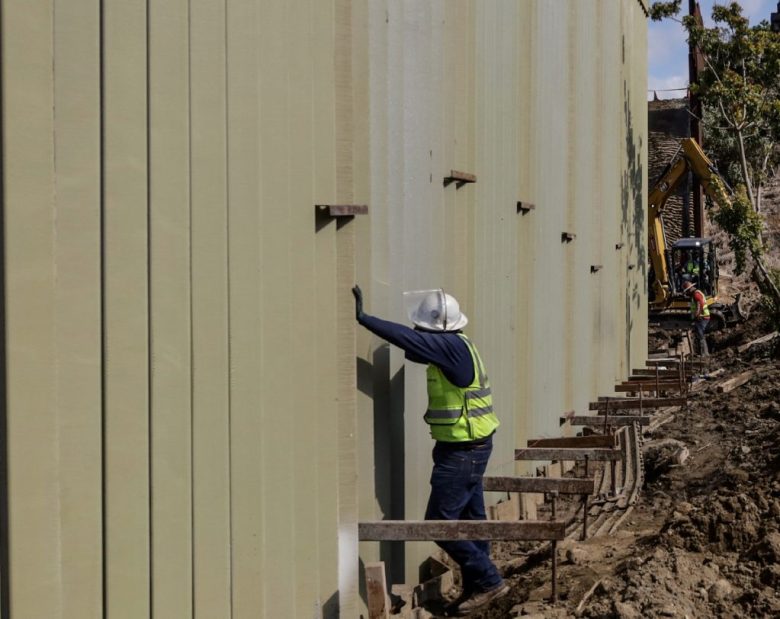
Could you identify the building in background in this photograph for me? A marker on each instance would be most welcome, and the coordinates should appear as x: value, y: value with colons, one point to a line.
x: 192, y: 425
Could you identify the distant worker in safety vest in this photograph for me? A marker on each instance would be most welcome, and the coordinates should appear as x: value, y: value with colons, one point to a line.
x: 700, y: 314
x: 462, y: 422
x: 689, y: 268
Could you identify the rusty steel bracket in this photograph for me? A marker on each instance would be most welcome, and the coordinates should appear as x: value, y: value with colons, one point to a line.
x: 342, y: 214
x: 525, y: 207
x: 342, y: 210
x: 459, y: 178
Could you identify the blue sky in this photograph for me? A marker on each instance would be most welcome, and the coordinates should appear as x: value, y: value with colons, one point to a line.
x: 668, y: 52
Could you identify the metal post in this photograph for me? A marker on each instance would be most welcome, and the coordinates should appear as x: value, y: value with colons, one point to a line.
x: 585, y: 505
x: 553, y: 496
x: 612, y: 470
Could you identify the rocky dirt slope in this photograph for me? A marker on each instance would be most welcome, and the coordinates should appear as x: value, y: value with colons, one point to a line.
x: 704, y: 538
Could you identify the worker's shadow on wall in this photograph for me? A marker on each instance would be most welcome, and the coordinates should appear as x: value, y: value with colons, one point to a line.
x: 387, y: 394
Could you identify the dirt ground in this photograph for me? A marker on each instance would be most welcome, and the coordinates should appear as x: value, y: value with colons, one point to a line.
x: 704, y: 538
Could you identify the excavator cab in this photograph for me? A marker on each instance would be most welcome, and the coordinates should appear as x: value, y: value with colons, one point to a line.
x: 694, y: 259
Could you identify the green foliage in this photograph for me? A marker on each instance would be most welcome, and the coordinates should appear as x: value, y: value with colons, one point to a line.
x: 662, y: 10
x: 740, y: 93
x: 743, y: 225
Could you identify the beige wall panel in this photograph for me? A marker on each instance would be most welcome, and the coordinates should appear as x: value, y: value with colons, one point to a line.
x: 583, y: 208
x: 210, y: 379
x: 612, y: 307
x: 493, y: 310
x: 169, y: 191
x: 126, y: 369
x: 551, y: 145
x: 326, y: 452
x: 244, y: 304
x: 77, y: 299
x: 635, y: 28
x: 245, y: 315
x: 525, y: 227
x: 28, y: 179
x: 276, y: 135
x: 345, y: 361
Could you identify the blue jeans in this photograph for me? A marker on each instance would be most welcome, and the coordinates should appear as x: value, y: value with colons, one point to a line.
x: 700, y: 327
x: 456, y: 494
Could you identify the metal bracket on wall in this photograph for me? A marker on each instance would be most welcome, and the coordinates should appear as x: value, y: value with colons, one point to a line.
x: 595, y: 268
x: 631, y: 267
x: 525, y: 207
x: 618, y: 245
x: 341, y: 213
x: 567, y: 237
x: 459, y: 178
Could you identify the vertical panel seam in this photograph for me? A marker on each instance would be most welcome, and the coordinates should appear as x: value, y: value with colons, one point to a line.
x: 193, y: 545
x: 5, y: 593
x: 102, y: 284
x: 226, y: 232
x: 149, y: 350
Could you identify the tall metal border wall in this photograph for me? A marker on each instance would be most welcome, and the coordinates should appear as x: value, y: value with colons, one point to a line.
x: 192, y: 424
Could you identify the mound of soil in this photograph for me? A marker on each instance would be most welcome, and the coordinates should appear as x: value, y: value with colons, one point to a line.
x: 704, y: 538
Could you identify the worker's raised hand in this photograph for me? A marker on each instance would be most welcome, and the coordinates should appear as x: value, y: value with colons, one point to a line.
x: 358, y: 294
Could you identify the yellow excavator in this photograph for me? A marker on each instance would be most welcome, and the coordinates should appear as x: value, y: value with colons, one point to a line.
x: 692, y: 258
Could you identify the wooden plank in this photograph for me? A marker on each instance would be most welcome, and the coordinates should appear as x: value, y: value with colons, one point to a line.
x: 649, y: 381
x: 733, y: 383
x: 632, y: 403
x: 535, y: 453
x: 665, y: 373
x: 761, y: 340
x: 538, y: 484
x: 645, y: 387
x: 478, y: 530
x: 377, y: 600
x: 664, y: 361
x: 598, y: 420
x: 595, y: 440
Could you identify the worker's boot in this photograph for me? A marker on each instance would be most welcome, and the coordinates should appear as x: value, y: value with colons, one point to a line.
x: 482, y: 598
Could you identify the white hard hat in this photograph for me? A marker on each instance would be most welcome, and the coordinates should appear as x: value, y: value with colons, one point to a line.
x: 437, y: 311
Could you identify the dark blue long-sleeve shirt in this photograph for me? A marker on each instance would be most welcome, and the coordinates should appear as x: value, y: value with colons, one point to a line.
x: 447, y: 351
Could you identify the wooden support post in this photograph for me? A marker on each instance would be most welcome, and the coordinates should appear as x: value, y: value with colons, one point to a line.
x: 631, y: 403
x: 539, y: 484
x: 596, y: 420
x: 476, y: 530
x: 378, y: 601
x: 594, y: 440
x: 541, y: 453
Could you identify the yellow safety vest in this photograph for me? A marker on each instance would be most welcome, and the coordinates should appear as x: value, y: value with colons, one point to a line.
x: 705, y: 313
x: 457, y: 414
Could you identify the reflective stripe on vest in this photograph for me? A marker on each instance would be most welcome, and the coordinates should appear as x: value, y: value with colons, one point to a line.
x: 705, y: 312
x: 460, y: 413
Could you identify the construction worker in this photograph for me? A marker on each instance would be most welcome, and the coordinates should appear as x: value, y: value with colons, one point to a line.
x: 462, y: 422
x: 688, y: 269
x: 700, y: 314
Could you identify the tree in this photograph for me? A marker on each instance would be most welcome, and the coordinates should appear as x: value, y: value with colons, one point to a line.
x: 740, y: 94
